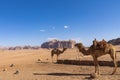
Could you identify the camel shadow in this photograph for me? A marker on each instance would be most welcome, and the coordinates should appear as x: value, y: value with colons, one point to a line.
x: 38, y: 62
x: 87, y: 62
x: 42, y: 62
x: 61, y: 74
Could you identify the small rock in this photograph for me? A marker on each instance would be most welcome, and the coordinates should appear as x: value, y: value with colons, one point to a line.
x: 93, y: 75
x: 47, y: 59
x: 11, y: 65
x: 4, y: 69
x: 17, y: 72
x: 39, y: 60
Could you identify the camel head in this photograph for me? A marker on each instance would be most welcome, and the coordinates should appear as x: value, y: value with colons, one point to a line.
x: 79, y: 46
x: 64, y: 49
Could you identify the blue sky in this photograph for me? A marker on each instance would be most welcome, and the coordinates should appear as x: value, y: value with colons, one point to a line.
x: 32, y: 22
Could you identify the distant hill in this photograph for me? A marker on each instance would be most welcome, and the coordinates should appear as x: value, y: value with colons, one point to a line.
x: 58, y: 44
x: 115, y: 41
x: 20, y: 47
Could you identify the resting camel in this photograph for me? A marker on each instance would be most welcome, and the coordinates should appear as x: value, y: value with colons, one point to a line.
x: 99, y: 49
x: 57, y: 52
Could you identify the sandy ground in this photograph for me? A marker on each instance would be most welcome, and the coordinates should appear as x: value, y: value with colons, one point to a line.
x: 28, y: 67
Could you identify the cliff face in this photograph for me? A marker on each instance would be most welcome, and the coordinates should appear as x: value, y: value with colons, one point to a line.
x: 115, y: 41
x: 58, y: 44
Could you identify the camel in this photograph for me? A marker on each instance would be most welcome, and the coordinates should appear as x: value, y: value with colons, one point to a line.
x: 57, y: 52
x: 99, y: 49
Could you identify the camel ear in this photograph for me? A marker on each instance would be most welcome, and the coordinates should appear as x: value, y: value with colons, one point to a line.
x: 95, y: 39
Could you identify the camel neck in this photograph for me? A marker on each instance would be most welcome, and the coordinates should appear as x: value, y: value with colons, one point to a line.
x: 62, y: 50
x: 85, y: 52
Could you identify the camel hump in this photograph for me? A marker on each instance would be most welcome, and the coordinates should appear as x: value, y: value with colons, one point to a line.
x: 100, y: 44
x: 103, y: 44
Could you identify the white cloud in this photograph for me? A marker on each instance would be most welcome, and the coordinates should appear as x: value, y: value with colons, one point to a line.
x: 42, y: 30
x: 66, y: 27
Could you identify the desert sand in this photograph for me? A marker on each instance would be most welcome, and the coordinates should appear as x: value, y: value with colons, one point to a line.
x: 37, y: 65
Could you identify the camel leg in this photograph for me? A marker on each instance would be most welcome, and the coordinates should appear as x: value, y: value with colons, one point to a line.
x: 96, y: 65
x: 52, y: 58
x: 113, y: 56
x: 57, y: 57
x: 79, y: 56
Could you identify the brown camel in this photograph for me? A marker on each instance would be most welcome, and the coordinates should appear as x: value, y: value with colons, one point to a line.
x: 99, y: 49
x: 57, y: 52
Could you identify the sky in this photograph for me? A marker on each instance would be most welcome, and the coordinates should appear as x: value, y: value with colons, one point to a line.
x: 32, y: 22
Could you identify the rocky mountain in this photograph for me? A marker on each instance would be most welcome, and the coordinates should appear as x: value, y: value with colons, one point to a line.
x: 58, y: 44
x: 20, y: 47
x: 115, y: 41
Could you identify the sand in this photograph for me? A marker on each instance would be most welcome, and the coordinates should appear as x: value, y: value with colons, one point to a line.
x: 37, y: 65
